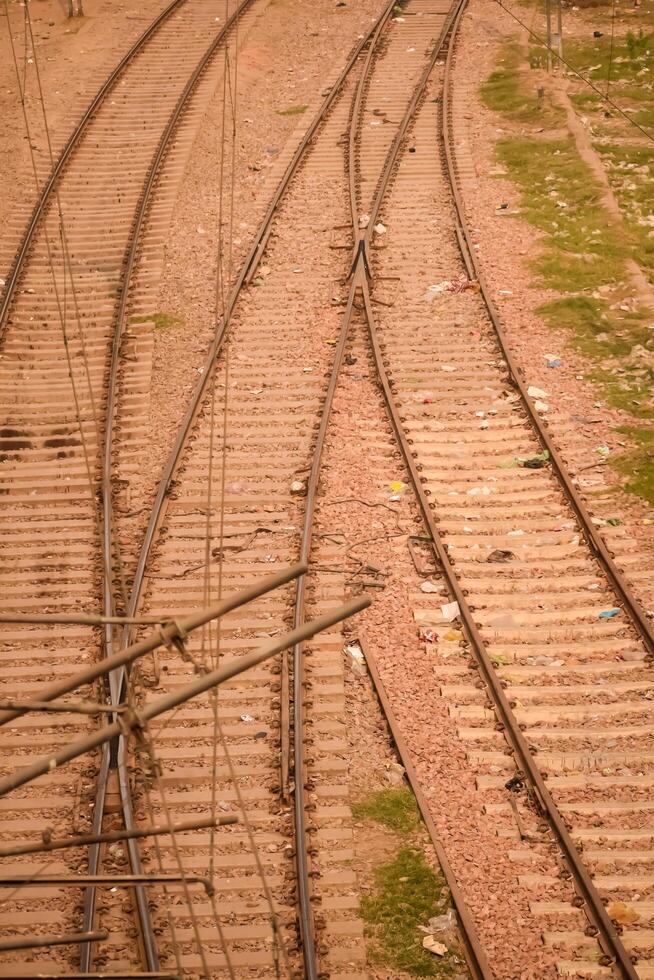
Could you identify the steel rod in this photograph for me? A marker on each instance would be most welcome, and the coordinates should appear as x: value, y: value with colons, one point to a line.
x: 86, y: 840
x: 202, y: 683
x: 119, y: 881
x: 74, y: 707
x: 153, y: 975
x: 66, y: 939
x: 167, y: 634
x: 81, y: 619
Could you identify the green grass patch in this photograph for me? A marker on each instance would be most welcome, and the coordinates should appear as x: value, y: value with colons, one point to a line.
x: 407, y: 894
x: 619, y: 345
x: 294, y: 110
x: 162, y: 321
x: 630, y: 171
x: 638, y: 466
x: 583, y: 248
x: 633, y: 57
x: 504, y: 91
x: 393, y: 808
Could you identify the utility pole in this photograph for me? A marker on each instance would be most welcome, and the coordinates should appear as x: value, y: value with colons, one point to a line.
x: 548, y: 19
x: 559, y: 32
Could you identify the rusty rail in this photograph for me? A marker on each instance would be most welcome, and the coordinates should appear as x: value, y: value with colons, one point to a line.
x: 115, y: 758
x: 358, y: 285
x: 157, y: 513
x: 67, y: 151
x: 610, y: 940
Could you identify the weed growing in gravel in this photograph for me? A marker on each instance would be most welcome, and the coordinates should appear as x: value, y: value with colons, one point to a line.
x: 630, y: 170
x: 407, y: 894
x: 393, y: 808
x: 162, y: 321
x: 638, y: 465
x: 583, y: 248
x: 294, y: 110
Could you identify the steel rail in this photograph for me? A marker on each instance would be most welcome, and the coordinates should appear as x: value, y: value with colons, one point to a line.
x: 116, y: 758
x: 608, y: 935
x: 363, y: 245
x: 360, y: 274
x: 5, y: 305
x: 307, y: 930
x: 475, y: 955
x: 222, y: 328
x: 157, y: 513
x: 526, y: 765
x: 67, y: 151
x: 596, y: 543
x: 522, y: 752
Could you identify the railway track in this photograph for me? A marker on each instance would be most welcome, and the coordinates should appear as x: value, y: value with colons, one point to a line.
x: 560, y: 680
x: 62, y: 318
x: 274, y: 384
x: 251, y: 944
x: 376, y: 153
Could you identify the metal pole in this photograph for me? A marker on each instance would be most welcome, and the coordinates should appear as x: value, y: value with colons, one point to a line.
x: 548, y: 19
x: 204, y: 682
x: 85, y: 840
x: 167, y: 634
x: 66, y: 939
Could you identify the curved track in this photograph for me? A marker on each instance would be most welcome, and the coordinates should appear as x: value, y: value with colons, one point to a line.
x: 63, y: 314
x: 274, y: 386
x: 238, y: 495
x: 428, y: 353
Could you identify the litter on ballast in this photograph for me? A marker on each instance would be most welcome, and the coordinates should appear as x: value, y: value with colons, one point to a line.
x: 298, y: 487
x: 247, y: 718
x: 458, y: 285
x: 429, y: 587
x: 609, y: 613
x: 450, y: 611
x: 355, y: 652
x: 427, y: 634
x: 397, y: 488
x: 622, y: 913
x: 500, y: 556
x: 534, y: 462
x: 442, y: 923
